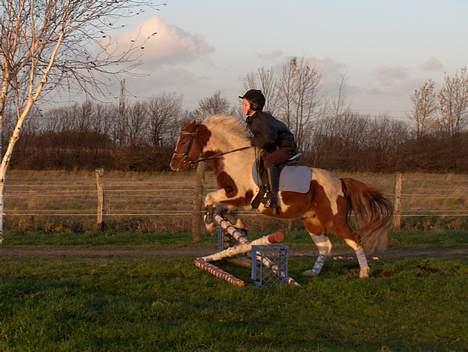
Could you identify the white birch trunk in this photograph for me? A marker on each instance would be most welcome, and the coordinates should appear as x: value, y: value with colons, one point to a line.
x: 3, y: 96
x: 32, y: 97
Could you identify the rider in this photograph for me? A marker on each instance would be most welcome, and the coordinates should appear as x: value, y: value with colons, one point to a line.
x: 272, y: 136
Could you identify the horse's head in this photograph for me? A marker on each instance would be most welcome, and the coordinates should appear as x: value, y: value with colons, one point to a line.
x: 192, y: 139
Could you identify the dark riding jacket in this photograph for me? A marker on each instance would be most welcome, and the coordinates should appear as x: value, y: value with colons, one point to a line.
x: 269, y: 133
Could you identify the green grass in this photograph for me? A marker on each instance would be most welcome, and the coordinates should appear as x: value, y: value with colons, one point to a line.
x: 169, y: 305
x: 106, y: 238
x: 295, y: 238
x: 434, y: 238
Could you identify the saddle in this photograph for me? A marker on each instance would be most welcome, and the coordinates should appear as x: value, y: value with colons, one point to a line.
x: 293, y: 178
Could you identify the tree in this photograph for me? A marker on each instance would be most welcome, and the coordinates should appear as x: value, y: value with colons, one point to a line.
x: 424, y: 107
x: 45, y: 43
x: 339, y: 105
x: 136, y: 123
x: 213, y: 105
x: 453, y: 102
x: 265, y: 80
x: 163, y: 112
x: 298, y: 96
x: 286, y: 92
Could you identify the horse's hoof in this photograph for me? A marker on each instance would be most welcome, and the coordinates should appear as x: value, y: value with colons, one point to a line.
x: 364, y: 273
x: 210, y: 228
x: 208, y: 217
x: 310, y: 273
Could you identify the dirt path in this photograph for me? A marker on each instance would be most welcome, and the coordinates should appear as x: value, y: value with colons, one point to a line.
x: 110, y: 252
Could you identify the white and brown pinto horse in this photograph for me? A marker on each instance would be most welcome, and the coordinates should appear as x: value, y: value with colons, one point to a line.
x: 326, y: 207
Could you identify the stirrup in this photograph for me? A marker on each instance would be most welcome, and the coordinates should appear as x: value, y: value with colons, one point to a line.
x: 268, y: 201
x: 295, y: 157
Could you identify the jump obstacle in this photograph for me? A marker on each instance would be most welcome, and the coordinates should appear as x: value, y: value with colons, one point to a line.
x: 262, y: 250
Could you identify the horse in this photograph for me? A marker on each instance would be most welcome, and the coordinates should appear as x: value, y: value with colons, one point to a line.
x: 326, y: 207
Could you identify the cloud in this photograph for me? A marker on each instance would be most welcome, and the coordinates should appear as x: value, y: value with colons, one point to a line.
x: 330, y: 70
x: 389, y: 75
x: 327, y: 66
x: 271, y: 55
x: 165, y: 78
x: 163, y: 43
x: 175, y: 77
x: 432, y: 64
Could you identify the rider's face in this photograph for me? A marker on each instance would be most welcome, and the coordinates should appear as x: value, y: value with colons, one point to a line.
x: 245, y: 107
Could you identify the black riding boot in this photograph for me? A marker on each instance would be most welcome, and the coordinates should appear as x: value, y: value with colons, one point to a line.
x: 273, y: 180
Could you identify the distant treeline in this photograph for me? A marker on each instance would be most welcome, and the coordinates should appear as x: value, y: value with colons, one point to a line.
x: 141, y: 137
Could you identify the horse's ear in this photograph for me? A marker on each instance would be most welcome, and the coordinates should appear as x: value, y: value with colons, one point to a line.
x: 187, y: 125
x: 204, y: 135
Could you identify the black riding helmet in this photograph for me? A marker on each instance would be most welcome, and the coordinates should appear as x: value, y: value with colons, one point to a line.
x: 256, y: 99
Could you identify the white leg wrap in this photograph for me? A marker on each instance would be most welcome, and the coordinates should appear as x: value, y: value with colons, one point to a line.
x: 361, y: 257
x: 324, y: 246
x: 319, y: 262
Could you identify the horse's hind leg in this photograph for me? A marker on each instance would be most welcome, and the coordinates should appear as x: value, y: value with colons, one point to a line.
x: 352, y: 240
x: 322, y: 242
x: 361, y: 257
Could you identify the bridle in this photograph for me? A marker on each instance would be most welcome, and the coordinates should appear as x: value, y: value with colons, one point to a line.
x: 185, y: 153
x: 192, y: 163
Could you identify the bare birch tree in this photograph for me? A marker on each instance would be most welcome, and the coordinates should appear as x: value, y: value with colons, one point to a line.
x: 286, y: 92
x: 298, y: 95
x: 265, y: 80
x: 163, y: 111
x: 47, y: 42
x: 213, y: 105
x: 339, y: 105
x: 453, y: 101
x: 424, y: 101
x: 137, y: 122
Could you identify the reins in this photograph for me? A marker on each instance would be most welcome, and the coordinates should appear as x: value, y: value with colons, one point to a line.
x: 211, y: 157
x: 217, y: 155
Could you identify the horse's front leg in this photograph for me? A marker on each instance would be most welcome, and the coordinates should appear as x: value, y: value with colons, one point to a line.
x: 215, y: 197
x: 211, y: 200
x: 218, y: 201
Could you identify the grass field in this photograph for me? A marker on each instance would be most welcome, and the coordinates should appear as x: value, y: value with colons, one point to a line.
x: 295, y: 238
x: 169, y: 305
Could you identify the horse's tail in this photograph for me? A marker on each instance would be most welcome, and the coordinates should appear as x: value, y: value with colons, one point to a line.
x: 373, y: 213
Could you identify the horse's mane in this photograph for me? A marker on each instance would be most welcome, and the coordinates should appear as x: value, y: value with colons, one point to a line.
x: 228, y: 126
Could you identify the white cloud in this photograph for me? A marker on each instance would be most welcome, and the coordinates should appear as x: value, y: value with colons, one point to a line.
x: 174, y: 77
x: 432, y: 64
x: 389, y: 75
x: 165, y: 78
x: 164, y: 43
x: 327, y: 66
x: 271, y: 55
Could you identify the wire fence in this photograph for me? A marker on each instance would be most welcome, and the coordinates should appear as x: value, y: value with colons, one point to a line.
x: 163, y: 199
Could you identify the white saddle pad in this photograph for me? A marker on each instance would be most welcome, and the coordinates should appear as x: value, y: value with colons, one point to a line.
x: 292, y: 179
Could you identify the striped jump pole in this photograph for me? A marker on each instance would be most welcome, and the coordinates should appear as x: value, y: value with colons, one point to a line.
x: 219, y: 273
x: 230, y: 229
x: 275, y: 237
x: 244, y: 246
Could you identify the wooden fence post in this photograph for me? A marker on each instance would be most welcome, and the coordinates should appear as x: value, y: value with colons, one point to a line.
x: 397, y: 201
x: 197, y: 202
x: 100, y: 199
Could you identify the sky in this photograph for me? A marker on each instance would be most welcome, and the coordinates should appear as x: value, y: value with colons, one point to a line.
x: 384, y: 48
